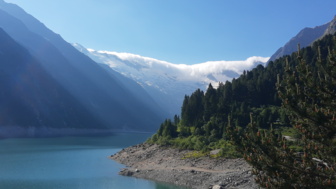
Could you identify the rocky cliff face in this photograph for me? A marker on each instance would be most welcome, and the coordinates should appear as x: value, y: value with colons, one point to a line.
x: 331, y: 29
x: 305, y: 38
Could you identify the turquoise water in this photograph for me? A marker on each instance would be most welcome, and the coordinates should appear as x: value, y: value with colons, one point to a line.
x: 68, y: 163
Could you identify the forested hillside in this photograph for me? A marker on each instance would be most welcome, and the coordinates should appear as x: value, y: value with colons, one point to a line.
x: 205, y: 115
x: 308, y: 159
x: 247, y: 117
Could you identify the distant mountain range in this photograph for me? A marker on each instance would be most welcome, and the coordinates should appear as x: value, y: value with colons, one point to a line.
x: 50, y: 87
x: 305, y: 38
x: 168, y: 83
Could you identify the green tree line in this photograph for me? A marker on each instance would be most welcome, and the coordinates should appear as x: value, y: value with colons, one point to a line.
x: 204, y: 115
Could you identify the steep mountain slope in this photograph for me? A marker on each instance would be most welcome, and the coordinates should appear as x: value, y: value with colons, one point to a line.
x: 305, y: 38
x: 99, y: 91
x: 168, y: 83
x: 31, y: 102
x: 331, y: 29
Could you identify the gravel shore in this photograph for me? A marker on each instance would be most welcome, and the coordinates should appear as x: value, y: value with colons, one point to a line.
x: 161, y: 164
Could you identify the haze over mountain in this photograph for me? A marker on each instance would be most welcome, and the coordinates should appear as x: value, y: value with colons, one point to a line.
x: 305, y: 38
x: 101, y: 93
x: 31, y: 98
x: 166, y: 82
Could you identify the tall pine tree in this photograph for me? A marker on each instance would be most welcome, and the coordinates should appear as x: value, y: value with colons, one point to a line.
x: 308, y: 92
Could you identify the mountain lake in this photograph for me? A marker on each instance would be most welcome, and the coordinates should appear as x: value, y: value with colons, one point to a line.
x: 69, y: 163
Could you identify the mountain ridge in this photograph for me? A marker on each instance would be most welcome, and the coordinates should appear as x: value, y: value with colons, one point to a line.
x: 305, y: 38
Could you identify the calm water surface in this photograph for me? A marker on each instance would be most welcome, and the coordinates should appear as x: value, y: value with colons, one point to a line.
x: 68, y: 163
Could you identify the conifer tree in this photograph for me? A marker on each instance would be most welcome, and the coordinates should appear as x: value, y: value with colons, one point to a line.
x: 308, y: 92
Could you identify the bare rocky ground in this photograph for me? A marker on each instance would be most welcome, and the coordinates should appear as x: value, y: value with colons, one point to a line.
x: 168, y: 165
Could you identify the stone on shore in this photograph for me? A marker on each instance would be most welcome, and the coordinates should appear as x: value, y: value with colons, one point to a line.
x: 168, y: 165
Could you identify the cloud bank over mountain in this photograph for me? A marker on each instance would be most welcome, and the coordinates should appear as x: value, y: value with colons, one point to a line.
x: 134, y: 66
x: 166, y: 82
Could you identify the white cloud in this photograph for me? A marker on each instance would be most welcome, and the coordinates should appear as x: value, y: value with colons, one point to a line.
x: 174, y: 80
x: 236, y: 66
x: 149, y: 70
x: 195, y: 69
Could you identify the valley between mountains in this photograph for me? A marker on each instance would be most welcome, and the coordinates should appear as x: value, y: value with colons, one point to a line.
x: 260, y: 122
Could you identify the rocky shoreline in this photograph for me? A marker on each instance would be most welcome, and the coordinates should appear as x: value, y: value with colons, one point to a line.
x: 168, y: 165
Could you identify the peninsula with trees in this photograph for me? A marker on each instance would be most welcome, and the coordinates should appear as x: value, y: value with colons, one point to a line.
x: 280, y: 118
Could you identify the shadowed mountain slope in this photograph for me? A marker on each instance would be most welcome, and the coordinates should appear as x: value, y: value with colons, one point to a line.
x: 102, y: 93
x: 31, y: 98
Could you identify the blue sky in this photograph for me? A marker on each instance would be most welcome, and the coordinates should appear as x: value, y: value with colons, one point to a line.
x: 181, y: 31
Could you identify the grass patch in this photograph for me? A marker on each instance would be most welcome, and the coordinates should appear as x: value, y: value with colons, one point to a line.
x: 195, y: 154
x: 289, y: 131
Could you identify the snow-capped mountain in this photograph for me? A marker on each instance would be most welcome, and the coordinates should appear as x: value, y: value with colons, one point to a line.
x: 166, y: 82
